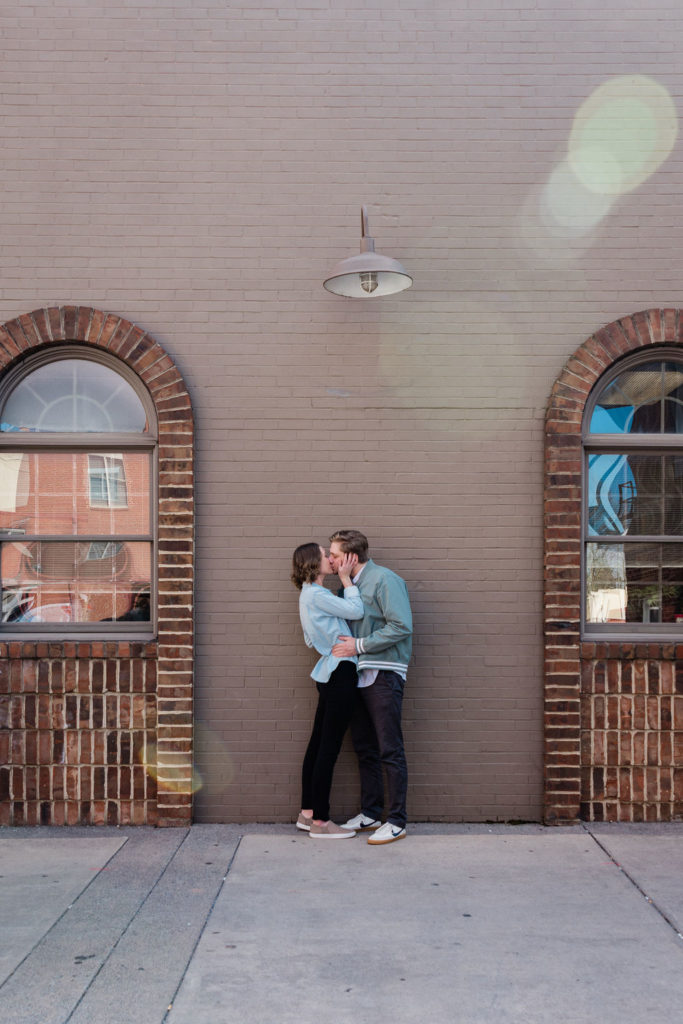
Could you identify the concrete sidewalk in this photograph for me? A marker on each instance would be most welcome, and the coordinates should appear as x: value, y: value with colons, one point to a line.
x: 261, y: 925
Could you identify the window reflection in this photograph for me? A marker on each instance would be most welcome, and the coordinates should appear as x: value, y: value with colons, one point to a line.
x: 107, y: 481
x: 72, y: 493
x: 634, y: 583
x: 74, y: 395
x: 647, y: 399
x: 76, y: 519
x: 606, y: 597
x: 58, y: 581
x: 635, y: 494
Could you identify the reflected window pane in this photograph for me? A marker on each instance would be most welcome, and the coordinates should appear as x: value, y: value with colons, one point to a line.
x: 635, y: 494
x: 74, y: 395
x: 605, y: 583
x: 625, y: 494
x: 75, y: 493
x: 672, y: 515
x: 63, y: 581
x: 638, y: 583
x: 673, y: 473
x: 673, y: 398
x: 107, y: 480
x: 646, y: 399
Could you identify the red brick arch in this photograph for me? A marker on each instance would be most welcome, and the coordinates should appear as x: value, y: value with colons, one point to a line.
x: 101, y: 732
x: 609, y: 712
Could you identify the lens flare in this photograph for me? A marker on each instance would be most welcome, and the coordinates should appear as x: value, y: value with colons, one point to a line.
x: 436, y: 377
x: 622, y: 134
x: 553, y: 230
x: 170, y: 777
x: 212, y: 752
x: 567, y: 207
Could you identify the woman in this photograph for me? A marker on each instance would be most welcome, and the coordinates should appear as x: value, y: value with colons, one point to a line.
x: 324, y: 618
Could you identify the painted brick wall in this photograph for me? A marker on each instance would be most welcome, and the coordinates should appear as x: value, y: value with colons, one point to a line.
x: 197, y: 167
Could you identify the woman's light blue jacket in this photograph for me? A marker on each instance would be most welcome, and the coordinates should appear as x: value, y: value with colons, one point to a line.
x: 324, y: 618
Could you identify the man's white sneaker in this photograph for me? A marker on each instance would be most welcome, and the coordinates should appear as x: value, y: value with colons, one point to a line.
x: 361, y: 823
x: 387, y: 833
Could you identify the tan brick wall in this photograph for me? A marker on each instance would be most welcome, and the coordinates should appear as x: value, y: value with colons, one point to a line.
x: 197, y: 167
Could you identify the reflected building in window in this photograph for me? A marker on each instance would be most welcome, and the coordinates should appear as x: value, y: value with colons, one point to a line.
x: 633, y: 519
x: 76, y: 526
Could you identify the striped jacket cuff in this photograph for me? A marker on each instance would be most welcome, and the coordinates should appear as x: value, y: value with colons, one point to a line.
x: 384, y: 666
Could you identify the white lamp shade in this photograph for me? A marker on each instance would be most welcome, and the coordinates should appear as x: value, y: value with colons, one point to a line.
x: 369, y: 274
x: 346, y: 278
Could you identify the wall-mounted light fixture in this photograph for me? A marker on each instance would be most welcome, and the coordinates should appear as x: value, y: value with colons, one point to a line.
x: 370, y: 274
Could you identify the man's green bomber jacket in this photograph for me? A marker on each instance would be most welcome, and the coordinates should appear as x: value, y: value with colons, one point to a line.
x: 384, y: 634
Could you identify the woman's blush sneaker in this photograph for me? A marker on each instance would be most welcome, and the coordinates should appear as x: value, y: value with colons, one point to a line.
x: 329, y: 831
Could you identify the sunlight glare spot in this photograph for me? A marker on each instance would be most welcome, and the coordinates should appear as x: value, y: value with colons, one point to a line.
x: 170, y: 778
x: 566, y: 206
x: 622, y: 134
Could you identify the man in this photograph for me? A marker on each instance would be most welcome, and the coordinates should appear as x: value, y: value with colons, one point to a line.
x: 382, y: 642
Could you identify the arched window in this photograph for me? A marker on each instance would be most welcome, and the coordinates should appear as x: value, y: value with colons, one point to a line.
x: 633, y: 499
x: 77, y: 469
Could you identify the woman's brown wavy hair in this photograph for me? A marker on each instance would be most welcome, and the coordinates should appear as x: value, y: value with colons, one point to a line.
x: 305, y: 564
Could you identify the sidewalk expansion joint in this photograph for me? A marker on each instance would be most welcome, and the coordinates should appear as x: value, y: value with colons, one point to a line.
x: 655, y: 906
x: 203, y: 928
x: 127, y: 928
x: 63, y: 914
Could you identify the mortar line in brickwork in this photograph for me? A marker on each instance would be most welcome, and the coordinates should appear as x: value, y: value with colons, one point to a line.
x: 127, y: 928
x: 655, y: 906
x: 202, y: 929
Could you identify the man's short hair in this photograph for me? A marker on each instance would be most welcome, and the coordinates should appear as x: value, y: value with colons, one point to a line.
x: 352, y: 542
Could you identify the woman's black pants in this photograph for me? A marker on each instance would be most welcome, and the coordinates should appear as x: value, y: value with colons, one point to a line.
x: 336, y: 703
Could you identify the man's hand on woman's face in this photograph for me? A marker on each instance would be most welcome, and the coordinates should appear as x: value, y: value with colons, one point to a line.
x: 346, y: 565
x: 337, y: 556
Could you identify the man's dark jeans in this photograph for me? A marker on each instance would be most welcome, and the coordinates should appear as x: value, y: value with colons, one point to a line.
x: 378, y: 741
